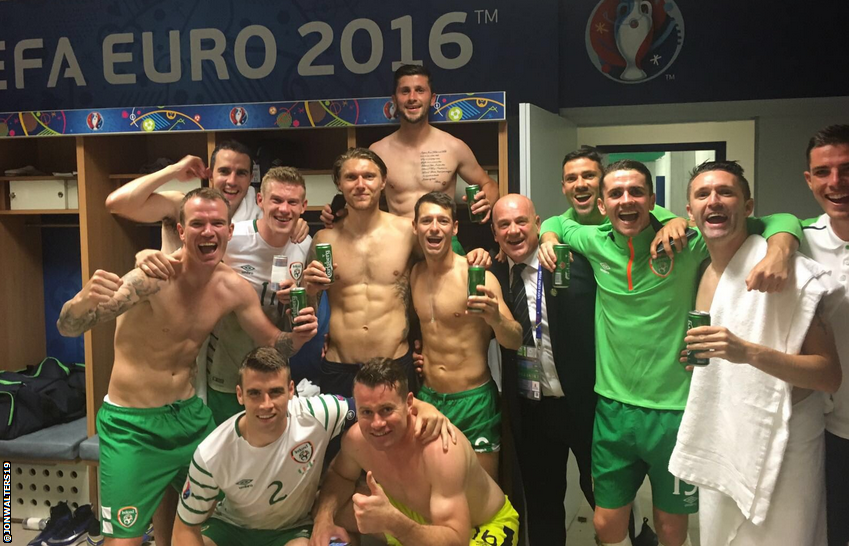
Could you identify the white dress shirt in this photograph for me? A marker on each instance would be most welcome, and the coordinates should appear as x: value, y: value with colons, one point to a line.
x: 550, y: 382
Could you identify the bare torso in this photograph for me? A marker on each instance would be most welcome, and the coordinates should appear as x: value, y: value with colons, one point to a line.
x: 157, y: 340
x: 704, y: 299
x: 407, y: 473
x: 416, y: 169
x: 454, y: 344
x: 369, y: 297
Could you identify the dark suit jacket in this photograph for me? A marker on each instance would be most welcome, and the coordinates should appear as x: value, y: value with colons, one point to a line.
x: 571, y: 320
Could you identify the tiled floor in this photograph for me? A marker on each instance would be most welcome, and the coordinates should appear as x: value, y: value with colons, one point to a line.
x: 580, y: 531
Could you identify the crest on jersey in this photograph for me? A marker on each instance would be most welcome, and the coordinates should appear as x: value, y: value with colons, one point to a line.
x: 127, y: 516
x: 662, y: 265
x: 302, y: 453
x: 296, y: 270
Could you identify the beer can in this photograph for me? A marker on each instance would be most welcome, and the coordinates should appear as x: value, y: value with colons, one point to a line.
x: 471, y: 191
x: 561, y: 271
x: 325, y: 255
x: 477, y: 275
x: 694, y: 320
x: 299, y: 300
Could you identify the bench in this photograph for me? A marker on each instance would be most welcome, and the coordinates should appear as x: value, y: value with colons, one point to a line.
x: 90, y: 450
x: 56, y: 443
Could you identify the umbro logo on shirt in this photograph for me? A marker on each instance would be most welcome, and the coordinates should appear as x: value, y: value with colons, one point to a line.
x: 604, y: 268
x: 246, y: 483
x: 247, y: 269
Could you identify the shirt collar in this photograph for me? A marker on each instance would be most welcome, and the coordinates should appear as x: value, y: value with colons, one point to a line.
x: 831, y: 241
x: 531, y: 261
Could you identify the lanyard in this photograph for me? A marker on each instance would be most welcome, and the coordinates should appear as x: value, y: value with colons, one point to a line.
x: 538, y: 333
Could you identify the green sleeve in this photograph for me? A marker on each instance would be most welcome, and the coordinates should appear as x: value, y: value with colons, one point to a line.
x: 662, y: 214
x: 552, y: 225
x: 809, y: 221
x: 774, y: 223
x: 581, y: 238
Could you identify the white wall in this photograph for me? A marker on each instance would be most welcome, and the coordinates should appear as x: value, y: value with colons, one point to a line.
x: 783, y: 128
x: 738, y: 135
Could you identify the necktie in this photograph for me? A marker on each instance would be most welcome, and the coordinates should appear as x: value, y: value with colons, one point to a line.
x: 519, y: 304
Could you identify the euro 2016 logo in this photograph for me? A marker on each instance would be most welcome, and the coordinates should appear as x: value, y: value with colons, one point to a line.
x: 94, y: 121
x: 634, y: 41
x: 238, y: 116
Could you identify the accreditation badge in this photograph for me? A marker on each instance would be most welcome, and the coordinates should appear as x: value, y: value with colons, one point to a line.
x: 530, y: 373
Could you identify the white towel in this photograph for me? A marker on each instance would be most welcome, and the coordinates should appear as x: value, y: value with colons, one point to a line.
x: 735, y: 427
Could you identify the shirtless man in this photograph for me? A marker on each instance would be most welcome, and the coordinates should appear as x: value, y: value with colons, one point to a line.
x: 456, y: 330
x: 229, y: 171
x: 421, y: 158
x: 719, y: 203
x: 425, y: 495
x: 151, y: 421
x: 370, y: 294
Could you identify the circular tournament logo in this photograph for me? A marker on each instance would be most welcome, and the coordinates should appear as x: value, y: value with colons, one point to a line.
x: 634, y: 41
x: 94, y: 121
x: 389, y: 110
x: 238, y: 116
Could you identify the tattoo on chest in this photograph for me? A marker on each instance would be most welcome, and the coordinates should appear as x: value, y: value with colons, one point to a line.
x: 434, y: 169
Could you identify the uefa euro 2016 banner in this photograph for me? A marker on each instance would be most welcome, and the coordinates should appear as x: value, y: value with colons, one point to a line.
x: 56, y: 54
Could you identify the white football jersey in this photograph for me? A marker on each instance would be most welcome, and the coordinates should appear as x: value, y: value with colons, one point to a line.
x: 271, y: 487
x: 251, y: 257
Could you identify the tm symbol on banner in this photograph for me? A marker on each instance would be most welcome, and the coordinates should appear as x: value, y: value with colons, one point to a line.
x: 670, y: 77
x: 486, y: 17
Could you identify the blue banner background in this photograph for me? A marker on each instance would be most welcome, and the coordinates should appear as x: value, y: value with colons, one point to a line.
x: 731, y: 50
x: 499, y: 56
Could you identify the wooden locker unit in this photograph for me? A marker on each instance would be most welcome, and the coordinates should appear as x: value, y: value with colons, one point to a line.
x: 103, y: 162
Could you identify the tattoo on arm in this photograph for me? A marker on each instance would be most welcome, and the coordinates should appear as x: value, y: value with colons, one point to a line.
x: 820, y: 324
x: 402, y: 290
x: 285, y: 345
x: 136, y: 287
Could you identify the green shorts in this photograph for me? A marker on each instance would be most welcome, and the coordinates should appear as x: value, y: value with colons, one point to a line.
x: 630, y: 442
x: 223, y: 405
x: 142, y: 451
x: 457, y: 247
x: 501, y: 530
x: 475, y: 412
x: 227, y: 534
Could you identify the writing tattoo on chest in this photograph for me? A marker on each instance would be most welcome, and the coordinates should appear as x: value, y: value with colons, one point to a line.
x: 433, y: 168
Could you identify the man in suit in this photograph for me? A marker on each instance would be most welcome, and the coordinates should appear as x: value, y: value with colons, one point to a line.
x: 548, y: 422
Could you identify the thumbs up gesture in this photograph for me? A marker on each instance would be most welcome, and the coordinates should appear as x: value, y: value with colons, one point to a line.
x: 373, y: 511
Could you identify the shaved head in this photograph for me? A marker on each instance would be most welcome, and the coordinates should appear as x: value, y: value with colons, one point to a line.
x: 513, y: 201
x: 515, y: 225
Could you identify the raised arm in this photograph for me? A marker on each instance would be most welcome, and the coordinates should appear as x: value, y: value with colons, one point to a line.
x: 103, y: 298
x: 783, y: 233
x: 471, y: 171
x: 817, y: 367
x: 339, y: 484
x: 496, y: 313
x: 254, y: 322
x: 138, y: 200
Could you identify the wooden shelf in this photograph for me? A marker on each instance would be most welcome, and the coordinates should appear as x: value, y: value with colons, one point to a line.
x: 32, y: 212
x: 125, y: 176
x: 36, y: 177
